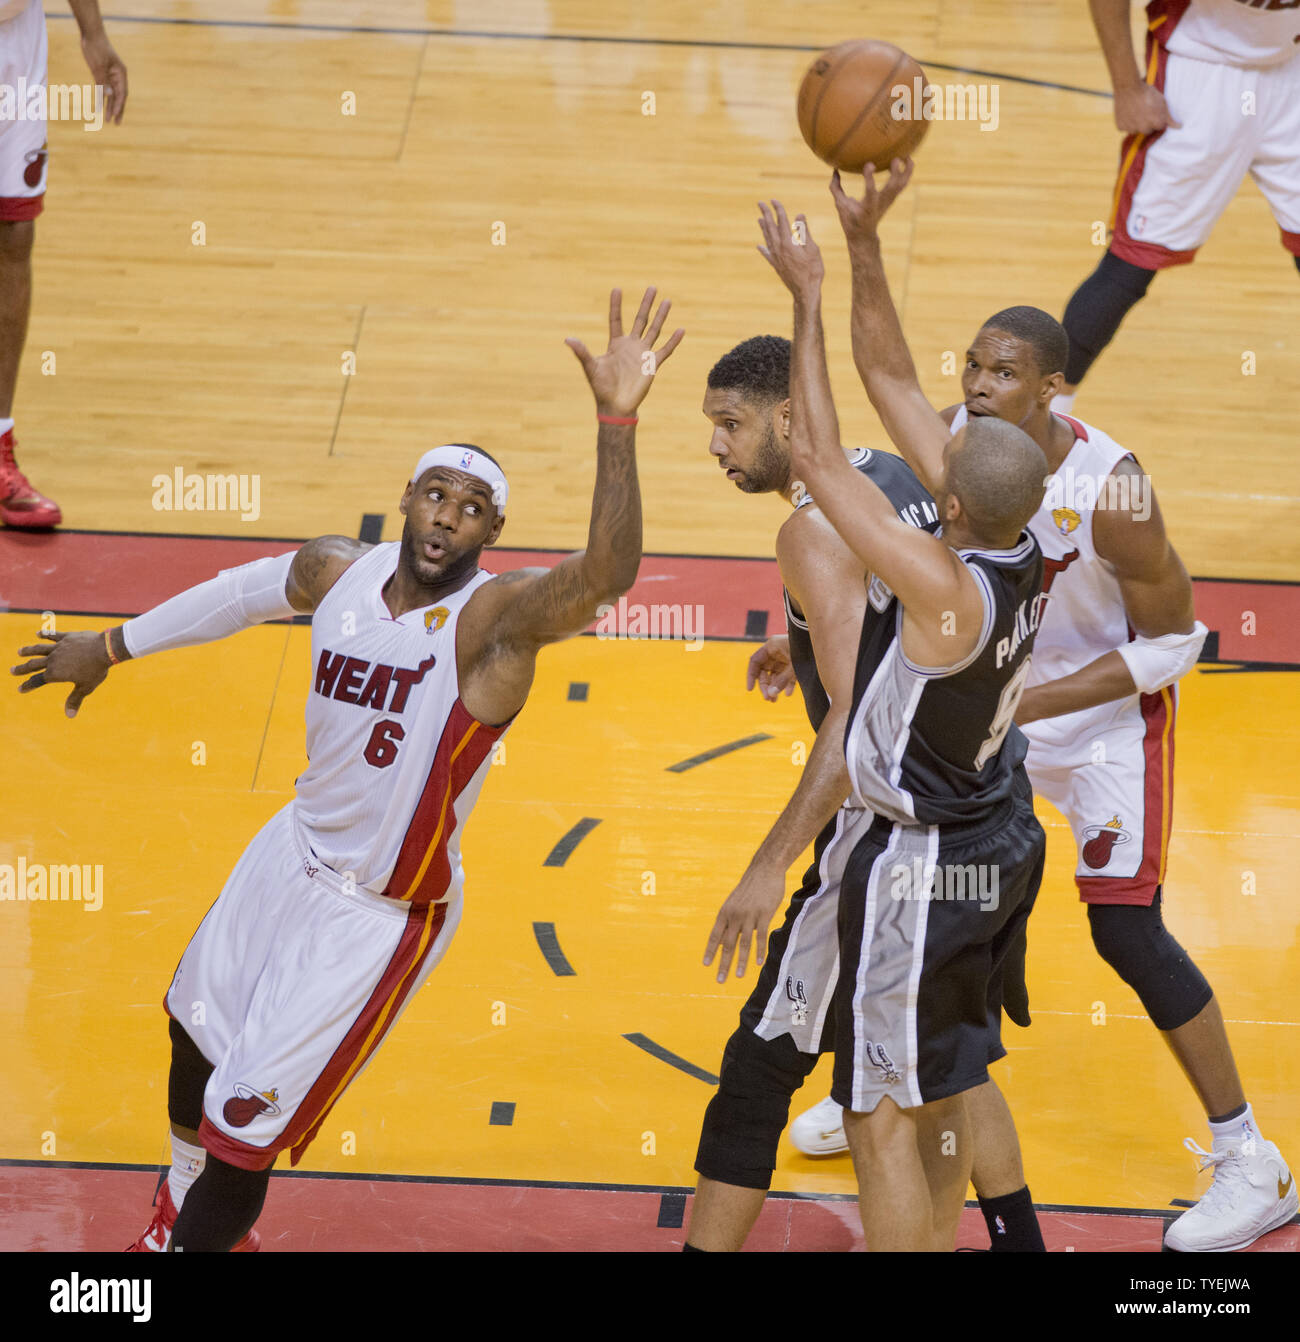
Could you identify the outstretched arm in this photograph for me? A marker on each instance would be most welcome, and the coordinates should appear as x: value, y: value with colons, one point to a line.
x: 933, y: 585
x: 508, y: 620
x: 879, y: 347
x: 266, y: 589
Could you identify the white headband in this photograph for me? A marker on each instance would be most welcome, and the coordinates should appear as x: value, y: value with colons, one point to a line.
x: 459, y: 457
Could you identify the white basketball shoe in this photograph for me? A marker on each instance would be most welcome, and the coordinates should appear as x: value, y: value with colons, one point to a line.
x: 1252, y: 1193
x: 819, y: 1131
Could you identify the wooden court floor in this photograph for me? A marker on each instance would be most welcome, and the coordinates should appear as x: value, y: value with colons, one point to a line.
x: 371, y: 235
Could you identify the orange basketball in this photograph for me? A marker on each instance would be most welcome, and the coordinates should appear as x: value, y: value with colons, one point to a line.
x: 861, y: 102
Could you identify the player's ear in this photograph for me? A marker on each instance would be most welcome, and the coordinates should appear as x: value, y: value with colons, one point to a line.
x: 406, y: 498
x: 783, y: 417
x: 1050, y: 387
x: 497, y: 524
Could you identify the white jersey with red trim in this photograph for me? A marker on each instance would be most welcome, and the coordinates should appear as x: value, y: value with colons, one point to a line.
x: 396, y: 759
x: 1083, y: 615
x: 1230, y: 32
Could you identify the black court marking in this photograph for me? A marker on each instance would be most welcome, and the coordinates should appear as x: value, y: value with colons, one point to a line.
x: 658, y: 1051
x: 563, y: 850
x: 672, y: 1211
x: 756, y: 624
x: 496, y: 36
x: 550, y: 948
x: 1181, y: 1202
x: 578, y: 691
x: 682, y: 765
x: 503, y: 1113
x: 372, y: 528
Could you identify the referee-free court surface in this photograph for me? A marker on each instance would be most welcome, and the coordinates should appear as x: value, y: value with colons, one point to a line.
x: 546, y: 1087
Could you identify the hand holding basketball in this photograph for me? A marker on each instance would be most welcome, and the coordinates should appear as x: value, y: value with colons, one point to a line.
x: 791, y: 252
x: 861, y: 218
x: 621, y: 377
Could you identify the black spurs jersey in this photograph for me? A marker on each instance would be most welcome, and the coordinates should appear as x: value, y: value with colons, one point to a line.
x: 934, y: 746
x: 913, y: 503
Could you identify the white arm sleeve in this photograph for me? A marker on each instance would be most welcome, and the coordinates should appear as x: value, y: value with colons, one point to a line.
x: 237, y: 598
x: 1156, y: 662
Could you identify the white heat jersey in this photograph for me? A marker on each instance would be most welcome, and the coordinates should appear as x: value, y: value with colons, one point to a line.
x: 396, y: 760
x: 1229, y: 32
x: 1083, y: 616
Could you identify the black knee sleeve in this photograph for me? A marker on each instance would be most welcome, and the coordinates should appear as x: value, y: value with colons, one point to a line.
x: 1296, y: 259
x: 186, y: 1080
x: 1134, y: 941
x: 1099, y: 304
x: 745, y: 1119
x: 220, y: 1208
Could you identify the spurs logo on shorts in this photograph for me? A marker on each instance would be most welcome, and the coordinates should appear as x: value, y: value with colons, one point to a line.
x: 248, y: 1103
x: 882, y: 1062
x: 798, y: 996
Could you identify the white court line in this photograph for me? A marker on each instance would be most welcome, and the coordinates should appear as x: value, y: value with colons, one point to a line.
x: 1118, y: 1016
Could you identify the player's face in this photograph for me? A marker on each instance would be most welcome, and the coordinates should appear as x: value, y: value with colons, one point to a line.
x: 1001, y: 378
x: 450, y: 517
x: 746, y: 441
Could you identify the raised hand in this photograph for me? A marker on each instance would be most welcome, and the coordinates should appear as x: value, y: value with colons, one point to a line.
x: 861, y: 218
x: 621, y: 377
x: 771, y: 670
x: 791, y: 252
x: 77, y: 657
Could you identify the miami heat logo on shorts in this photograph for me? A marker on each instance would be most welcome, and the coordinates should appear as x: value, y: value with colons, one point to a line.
x: 1100, y: 841
x: 35, y: 168
x: 247, y: 1103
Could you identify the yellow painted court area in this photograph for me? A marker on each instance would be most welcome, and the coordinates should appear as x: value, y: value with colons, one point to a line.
x: 1101, y: 1106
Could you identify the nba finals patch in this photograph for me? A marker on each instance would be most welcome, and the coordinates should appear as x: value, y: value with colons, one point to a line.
x: 1066, y: 520
x: 434, y: 619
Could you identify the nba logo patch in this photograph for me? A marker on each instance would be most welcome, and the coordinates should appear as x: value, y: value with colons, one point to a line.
x: 467, y: 459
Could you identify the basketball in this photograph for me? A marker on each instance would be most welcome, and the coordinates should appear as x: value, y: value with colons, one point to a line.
x: 860, y: 102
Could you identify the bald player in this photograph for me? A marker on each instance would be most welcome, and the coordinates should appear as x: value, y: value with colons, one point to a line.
x: 349, y: 896
x: 935, y: 894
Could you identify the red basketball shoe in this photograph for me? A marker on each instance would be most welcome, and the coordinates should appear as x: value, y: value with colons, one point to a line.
x: 158, y: 1236
x: 20, y: 504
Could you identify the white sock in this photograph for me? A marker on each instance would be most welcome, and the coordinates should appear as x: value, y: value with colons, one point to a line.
x: 1063, y: 404
x: 1236, y: 1129
x: 187, y: 1165
x: 5, y: 426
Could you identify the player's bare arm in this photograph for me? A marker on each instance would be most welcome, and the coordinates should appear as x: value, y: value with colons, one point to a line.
x: 943, y: 608
x: 509, y: 619
x: 1157, y: 594
x: 827, y: 582
x: 880, y: 350
x: 224, y: 605
x: 105, y: 64
x: 1139, y: 107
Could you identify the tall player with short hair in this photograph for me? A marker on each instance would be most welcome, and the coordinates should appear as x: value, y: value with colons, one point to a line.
x: 1118, y: 633
x: 932, y: 750
x: 349, y: 896
x: 1220, y: 100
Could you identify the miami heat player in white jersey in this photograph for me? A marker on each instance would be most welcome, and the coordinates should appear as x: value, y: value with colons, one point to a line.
x: 396, y: 759
x: 1108, y: 769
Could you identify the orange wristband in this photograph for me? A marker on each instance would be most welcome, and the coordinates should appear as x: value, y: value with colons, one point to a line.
x: 108, y: 647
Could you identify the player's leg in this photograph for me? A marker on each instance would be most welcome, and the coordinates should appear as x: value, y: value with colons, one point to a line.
x: 893, y: 1191
x: 1276, y: 167
x: 23, y: 160
x: 944, y: 1140
x: 773, y: 1050
x: 1120, y: 813
x: 1172, y: 188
